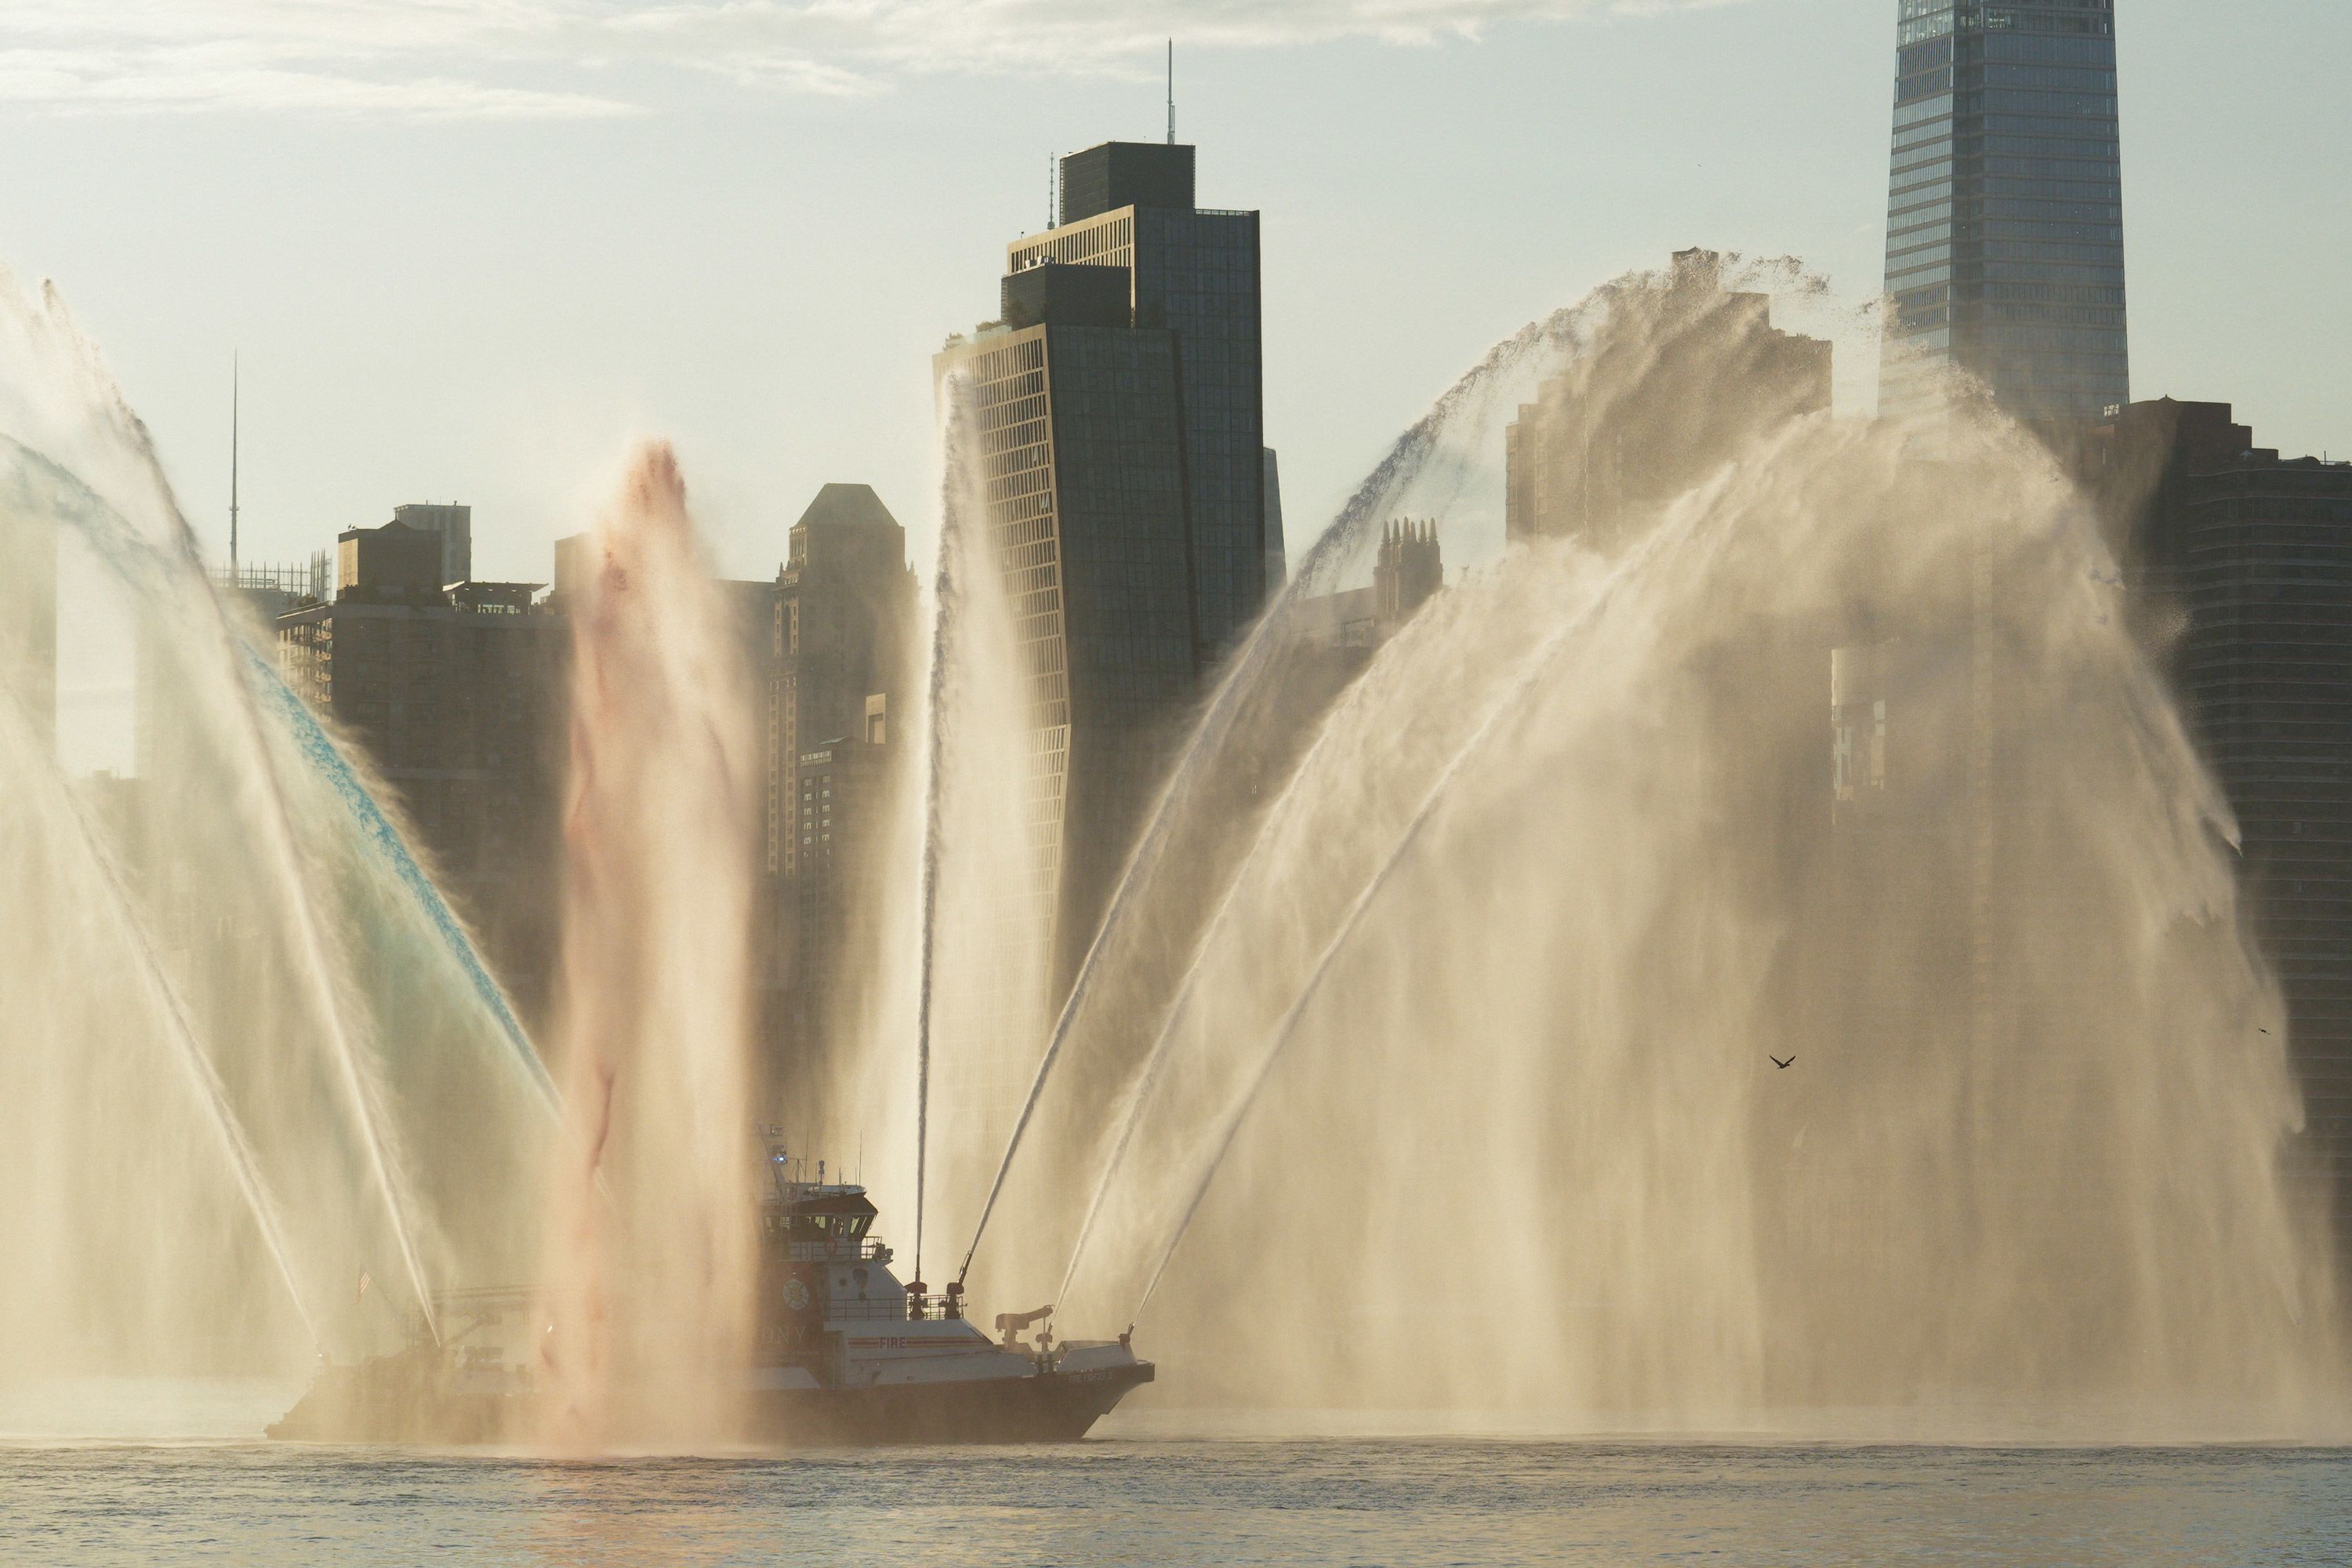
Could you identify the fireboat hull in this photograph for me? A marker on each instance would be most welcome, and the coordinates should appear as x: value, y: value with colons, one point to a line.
x: 376, y: 1403
x: 1050, y: 1407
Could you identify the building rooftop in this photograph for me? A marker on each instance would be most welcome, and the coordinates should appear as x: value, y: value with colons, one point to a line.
x: 849, y: 505
x: 1126, y: 174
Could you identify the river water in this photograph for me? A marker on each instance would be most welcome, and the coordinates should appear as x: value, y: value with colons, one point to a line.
x: 1147, y: 1490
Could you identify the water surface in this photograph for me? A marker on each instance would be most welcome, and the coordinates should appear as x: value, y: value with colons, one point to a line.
x: 1140, y: 1498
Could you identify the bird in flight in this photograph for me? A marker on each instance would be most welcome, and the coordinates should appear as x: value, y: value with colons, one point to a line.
x: 1776, y: 1061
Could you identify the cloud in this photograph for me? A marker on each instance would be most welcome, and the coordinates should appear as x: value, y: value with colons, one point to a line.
x: 131, y: 80
x: 562, y: 59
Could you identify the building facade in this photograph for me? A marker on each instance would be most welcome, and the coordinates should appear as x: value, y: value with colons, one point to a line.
x: 838, y: 644
x: 2004, y: 230
x: 453, y: 525
x: 1192, y: 273
x: 1112, y: 419
x: 1278, y: 556
x: 841, y: 630
x: 2241, y: 566
x: 846, y: 792
x: 1410, y: 570
x: 457, y: 696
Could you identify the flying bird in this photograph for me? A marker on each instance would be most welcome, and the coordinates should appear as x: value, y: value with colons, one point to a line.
x: 1776, y: 1061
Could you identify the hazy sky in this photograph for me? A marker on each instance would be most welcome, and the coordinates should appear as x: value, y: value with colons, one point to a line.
x: 467, y: 249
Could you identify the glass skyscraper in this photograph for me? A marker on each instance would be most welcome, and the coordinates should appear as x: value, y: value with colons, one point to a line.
x: 2004, y: 230
x: 1116, y: 408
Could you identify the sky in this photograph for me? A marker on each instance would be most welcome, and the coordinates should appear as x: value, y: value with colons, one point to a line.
x: 468, y: 251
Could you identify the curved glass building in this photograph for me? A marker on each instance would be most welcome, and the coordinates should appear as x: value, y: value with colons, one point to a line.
x: 2004, y: 229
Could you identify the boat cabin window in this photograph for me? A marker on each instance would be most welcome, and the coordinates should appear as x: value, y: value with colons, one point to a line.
x: 838, y: 1229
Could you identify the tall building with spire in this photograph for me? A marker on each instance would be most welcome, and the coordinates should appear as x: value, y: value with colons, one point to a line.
x: 1114, y: 412
x: 2004, y: 229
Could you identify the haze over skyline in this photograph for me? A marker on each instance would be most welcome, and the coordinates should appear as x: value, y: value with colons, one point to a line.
x: 465, y: 256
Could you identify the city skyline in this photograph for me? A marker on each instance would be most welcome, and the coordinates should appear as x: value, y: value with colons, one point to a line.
x: 522, y: 954
x: 490, y: 395
x: 506, y: 414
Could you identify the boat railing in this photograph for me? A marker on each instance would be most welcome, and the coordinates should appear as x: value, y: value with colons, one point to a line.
x: 825, y: 1251
x: 922, y: 1308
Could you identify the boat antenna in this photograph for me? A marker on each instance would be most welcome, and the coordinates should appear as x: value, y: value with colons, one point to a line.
x: 232, y: 464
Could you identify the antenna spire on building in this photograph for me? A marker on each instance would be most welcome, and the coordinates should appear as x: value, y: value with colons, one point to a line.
x: 1171, y: 92
x: 232, y: 464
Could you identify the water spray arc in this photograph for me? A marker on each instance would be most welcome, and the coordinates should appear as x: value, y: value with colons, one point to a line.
x: 928, y: 896
x: 1538, y: 667
x: 334, y: 1008
x: 1246, y: 683
x: 137, y: 563
x: 1532, y: 672
x: 351, y: 1094
x: 1556, y: 859
x: 163, y: 996
x: 384, y: 838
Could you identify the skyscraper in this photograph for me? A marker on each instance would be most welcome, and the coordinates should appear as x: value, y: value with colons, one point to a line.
x: 839, y: 634
x: 1117, y: 409
x: 1191, y: 273
x: 841, y: 631
x: 2241, y: 567
x: 846, y: 786
x: 2004, y: 229
x: 1277, y: 558
x: 456, y: 695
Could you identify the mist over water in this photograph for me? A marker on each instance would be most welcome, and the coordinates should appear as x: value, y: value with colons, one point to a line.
x: 258, y: 1101
x: 1433, y: 1067
x: 1424, y: 1056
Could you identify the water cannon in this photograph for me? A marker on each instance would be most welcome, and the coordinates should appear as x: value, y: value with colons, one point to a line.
x: 1010, y: 1324
x: 915, y: 1291
x: 954, y: 1308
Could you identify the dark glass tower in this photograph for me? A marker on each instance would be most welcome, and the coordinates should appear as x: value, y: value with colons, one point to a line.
x: 1192, y: 274
x: 2004, y: 230
x: 1117, y: 409
x: 2241, y: 566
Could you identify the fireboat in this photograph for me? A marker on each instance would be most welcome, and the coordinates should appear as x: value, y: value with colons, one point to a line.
x: 844, y: 1353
